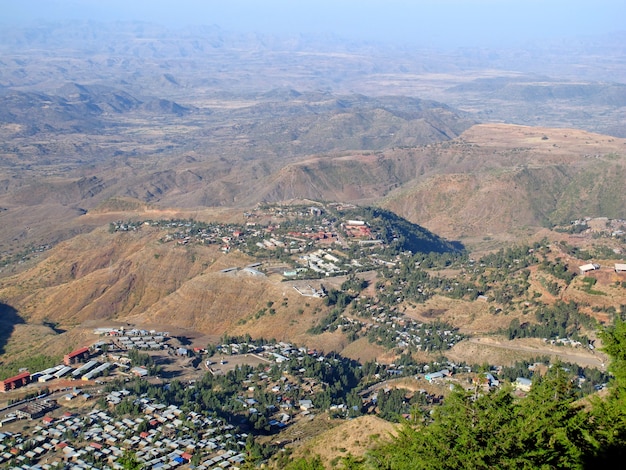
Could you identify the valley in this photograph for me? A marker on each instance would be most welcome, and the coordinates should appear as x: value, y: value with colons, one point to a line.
x: 272, y: 246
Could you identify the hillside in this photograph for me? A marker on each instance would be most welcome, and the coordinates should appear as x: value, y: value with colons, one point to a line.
x: 97, y: 277
x: 493, y: 180
x: 353, y: 437
x: 500, y: 179
x: 142, y: 272
x: 137, y: 273
x: 68, y: 151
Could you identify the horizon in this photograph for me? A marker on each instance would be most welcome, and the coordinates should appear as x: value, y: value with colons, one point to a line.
x: 444, y: 23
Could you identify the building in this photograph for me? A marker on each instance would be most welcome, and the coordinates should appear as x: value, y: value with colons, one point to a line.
x: 437, y: 375
x: 305, y: 405
x: 522, y: 383
x: 585, y: 268
x: 36, y: 409
x: 15, y: 382
x: 253, y: 272
x: 620, y: 268
x: 78, y: 355
x: 139, y: 371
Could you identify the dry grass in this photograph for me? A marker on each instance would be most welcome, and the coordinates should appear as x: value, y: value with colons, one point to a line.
x: 499, y: 351
x: 469, y: 317
x: 343, y: 438
x: 363, y: 351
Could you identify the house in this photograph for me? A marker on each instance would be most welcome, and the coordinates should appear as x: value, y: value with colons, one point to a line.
x: 522, y: 383
x: 14, y: 382
x: 305, y: 405
x: 253, y: 272
x: 432, y: 376
x: 139, y: 371
x: 585, y: 268
x: 437, y: 375
x: 78, y: 355
x: 491, y: 380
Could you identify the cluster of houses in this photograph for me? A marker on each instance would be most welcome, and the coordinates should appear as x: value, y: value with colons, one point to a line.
x: 81, y: 363
x: 305, y: 230
x: 87, y: 371
x: 163, y: 436
x: 322, y: 262
x: 159, y: 438
x: 399, y: 331
x: 614, y: 228
x: 134, y: 338
x: 566, y: 342
x: 293, y: 382
x: 590, y: 267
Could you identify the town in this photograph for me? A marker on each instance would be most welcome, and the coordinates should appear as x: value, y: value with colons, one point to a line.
x: 100, y: 407
x: 165, y: 401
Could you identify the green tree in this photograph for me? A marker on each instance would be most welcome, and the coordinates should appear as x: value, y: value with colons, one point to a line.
x: 554, y: 431
x: 305, y: 464
x: 496, y: 430
x: 129, y: 461
x: 609, y: 415
x: 465, y: 433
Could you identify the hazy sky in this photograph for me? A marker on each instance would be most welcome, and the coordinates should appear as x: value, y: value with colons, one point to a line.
x: 431, y: 22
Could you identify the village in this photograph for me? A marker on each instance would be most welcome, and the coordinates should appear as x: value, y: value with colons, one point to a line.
x: 242, y: 390
x: 169, y: 402
x: 311, y: 241
x: 109, y: 419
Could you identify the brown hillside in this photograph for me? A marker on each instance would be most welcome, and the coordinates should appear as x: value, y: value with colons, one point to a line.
x: 100, y: 278
x: 350, y: 437
x: 492, y: 179
x: 501, y: 178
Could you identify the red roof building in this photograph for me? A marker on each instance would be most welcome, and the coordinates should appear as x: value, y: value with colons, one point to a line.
x: 76, y: 356
x: 14, y: 382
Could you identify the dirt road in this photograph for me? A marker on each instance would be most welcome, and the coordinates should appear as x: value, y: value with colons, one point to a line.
x: 537, y: 347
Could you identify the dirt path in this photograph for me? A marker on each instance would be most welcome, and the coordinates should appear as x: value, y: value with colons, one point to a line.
x: 566, y: 354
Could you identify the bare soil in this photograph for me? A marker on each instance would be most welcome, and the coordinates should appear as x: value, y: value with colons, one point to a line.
x: 498, y: 351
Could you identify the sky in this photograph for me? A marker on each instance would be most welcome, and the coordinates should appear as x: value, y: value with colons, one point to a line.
x: 450, y: 23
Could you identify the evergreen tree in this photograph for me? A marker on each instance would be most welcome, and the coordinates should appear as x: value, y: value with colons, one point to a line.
x: 609, y: 414
x: 554, y: 432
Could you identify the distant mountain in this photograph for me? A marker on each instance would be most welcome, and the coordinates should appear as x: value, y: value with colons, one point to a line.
x: 68, y: 152
x: 491, y: 179
x: 530, y: 90
x: 77, y: 108
x: 192, y: 66
x: 40, y: 112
